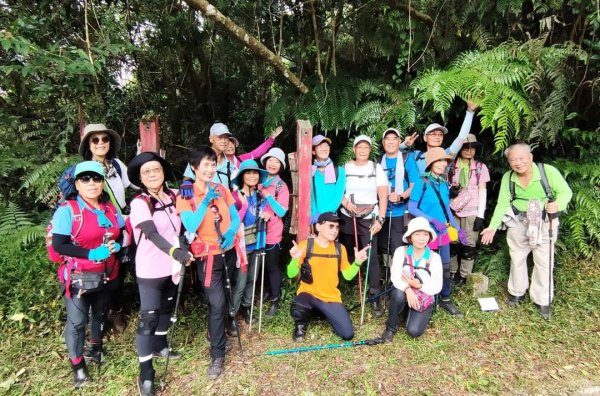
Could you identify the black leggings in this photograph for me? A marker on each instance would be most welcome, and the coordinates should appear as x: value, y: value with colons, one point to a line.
x: 272, y: 269
x: 157, y: 298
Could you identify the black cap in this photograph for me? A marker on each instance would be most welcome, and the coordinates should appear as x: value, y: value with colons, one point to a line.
x: 328, y: 216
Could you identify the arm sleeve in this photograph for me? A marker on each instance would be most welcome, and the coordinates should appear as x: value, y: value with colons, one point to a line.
x: 503, y: 202
x: 482, y: 202
x: 259, y: 151
x: 348, y: 271
x: 560, y: 188
x: 235, y: 219
x: 434, y: 286
x: 396, y: 270
x: 64, y: 246
x: 191, y: 220
x: 280, y: 206
x: 462, y: 135
x: 149, y: 230
x: 293, y: 268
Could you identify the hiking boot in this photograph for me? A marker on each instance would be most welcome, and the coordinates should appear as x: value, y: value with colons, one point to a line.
x: 459, y: 282
x: 449, y: 307
x: 387, y: 335
x: 376, y: 308
x: 93, y: 352
x: 80, y: 374
x: 299, y: 331
x: 544, y: 311
x: 116, y: 321
x: 232, y: 327
x: 166, y: 352
x: 145, y: 388
x: 272, y: 309
x: 244, y: 312
x: 215, y: 369
x: 513, y: 301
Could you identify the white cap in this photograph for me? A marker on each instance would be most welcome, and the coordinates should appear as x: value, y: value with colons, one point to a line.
x: 418, y: 224
x: 433, y: 127
x: 362, y: 138
x: 218, y: 129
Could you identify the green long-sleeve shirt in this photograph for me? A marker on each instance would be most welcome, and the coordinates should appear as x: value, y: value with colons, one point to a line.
x: 534, y: 190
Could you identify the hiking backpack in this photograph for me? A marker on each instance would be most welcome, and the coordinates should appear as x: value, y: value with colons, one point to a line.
x: 305, y: 268
x: 66, y: 181
x: 287, y: 217
x: 452, y: 170
x: 53, y: 255
x: 543, y: 181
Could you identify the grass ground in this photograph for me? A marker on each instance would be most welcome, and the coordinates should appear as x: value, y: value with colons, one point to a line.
x: 513, y: 351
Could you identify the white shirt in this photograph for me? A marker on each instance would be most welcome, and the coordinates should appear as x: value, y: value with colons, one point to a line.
x: 432, y: 284
x: 362, y: 182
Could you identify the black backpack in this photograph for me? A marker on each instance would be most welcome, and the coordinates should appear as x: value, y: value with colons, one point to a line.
x: 305, y: 268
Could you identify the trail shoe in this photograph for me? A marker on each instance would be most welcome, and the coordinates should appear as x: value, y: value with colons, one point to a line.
x: 272, y: 309
x: 80, y: 374
x: 513, y: 301
x: 449, y: 307
x: 146, y: 388
x: 228, y: 345
x: 459, y: 282
x: 544, y: 311
x: 387, y: 335
x: 299, y: 331
x: 376, y: 308
x: 215, y: 369
x: 166, y: 352
x: 232, y: 327
x: 93, y: 352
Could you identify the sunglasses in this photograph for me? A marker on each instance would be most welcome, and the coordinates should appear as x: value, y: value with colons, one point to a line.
x: 333, y: 226
x: 87, y: 178
x: 96, y: 139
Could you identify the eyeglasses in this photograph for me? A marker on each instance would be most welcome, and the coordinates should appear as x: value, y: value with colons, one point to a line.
x: 148, y: 172
x: 334, y: 227
x: 96, y: 139
x: 87, y: 178
x: 436, y: 134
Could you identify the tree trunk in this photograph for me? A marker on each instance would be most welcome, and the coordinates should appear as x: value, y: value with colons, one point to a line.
x: 249, y: 41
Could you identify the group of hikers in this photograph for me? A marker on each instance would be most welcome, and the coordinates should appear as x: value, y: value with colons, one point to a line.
x: 421, y: 212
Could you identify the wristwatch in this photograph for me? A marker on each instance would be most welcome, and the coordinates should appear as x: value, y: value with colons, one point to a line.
x: 381, y: 220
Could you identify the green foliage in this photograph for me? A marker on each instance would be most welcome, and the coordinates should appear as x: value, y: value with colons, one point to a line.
x: 522, y: 89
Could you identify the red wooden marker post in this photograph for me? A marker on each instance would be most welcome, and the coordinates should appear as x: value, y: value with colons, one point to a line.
x: 149, y: 135
x: 304, y: 154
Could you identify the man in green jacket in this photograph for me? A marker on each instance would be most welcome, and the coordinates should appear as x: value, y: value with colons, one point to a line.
x: 528, y: 205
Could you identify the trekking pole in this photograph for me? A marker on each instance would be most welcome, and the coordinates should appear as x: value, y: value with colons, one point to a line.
x: 356, y: 244
x: 551, y: 266
x: 373, y: 341
x: 371, y: 299
x: 227, y: 280
x: 262, y: 276
x: 256, y: 254
x: 163, y: 381
x: 387, y: 259
x: 362, y: 311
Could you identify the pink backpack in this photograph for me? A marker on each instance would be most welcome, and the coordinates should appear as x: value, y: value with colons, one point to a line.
x: 76, y: 228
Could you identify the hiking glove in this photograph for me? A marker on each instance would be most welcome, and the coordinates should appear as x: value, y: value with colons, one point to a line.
x: 99, y: 254
x: 462, y: 237
x: 439, y: 226
x: 186, y: 189
x: 211, y: 195
x: 117, y: 247
x: 227, y: 240
x: 183, y: 256
x: 478, y: 224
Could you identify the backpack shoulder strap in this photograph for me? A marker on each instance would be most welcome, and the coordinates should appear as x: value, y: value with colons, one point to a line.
x: 424, y: 179
x: 544, y: 181
x: 338, y: 254
x: 117, y: 166
x: 148, y: 201
x: 310, y: 242
x: 77, y: 217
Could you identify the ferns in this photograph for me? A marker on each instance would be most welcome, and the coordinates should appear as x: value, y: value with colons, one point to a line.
x: 41, y: 183
x: 522, y: 89
x: 18, y: 227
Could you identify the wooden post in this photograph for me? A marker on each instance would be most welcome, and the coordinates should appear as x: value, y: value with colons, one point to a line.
x: 149, y: 135
x: 303, y: 158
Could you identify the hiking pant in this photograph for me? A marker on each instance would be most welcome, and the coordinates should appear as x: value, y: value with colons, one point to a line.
x: 346, y: 238
x: 157, y: 299
x: 416, y: 322
x: 244, y: 281
x: 467, y: 253
x: 444, y: 252
x: 272, y: 270
x: 218, y: 299
x: 394, y: 226
x: 334, y: 312
x: 540, y: 290
x: 78, y: 309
